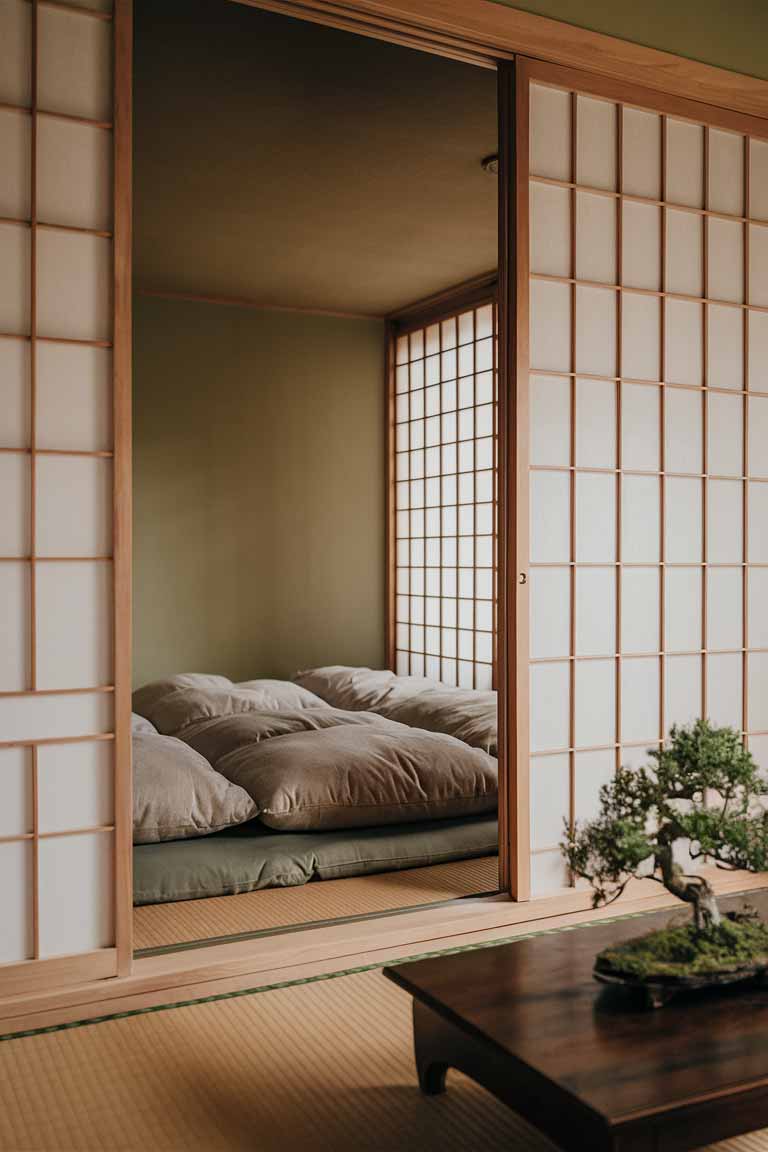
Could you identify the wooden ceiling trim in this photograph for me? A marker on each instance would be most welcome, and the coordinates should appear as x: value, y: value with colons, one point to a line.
x: 483, y: 31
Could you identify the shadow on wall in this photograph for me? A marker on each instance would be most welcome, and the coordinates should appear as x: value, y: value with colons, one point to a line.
x: 259, y: 523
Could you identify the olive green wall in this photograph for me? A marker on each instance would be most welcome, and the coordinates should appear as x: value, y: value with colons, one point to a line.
x: 258, y: 490
x: 727, y: 33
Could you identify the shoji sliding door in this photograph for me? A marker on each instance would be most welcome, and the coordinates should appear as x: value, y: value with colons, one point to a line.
x: 443, y: 432
x: 643, y: 234
x: 64, y: 787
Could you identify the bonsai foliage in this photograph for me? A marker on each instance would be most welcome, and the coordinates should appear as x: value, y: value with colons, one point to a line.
x: 703, y: 787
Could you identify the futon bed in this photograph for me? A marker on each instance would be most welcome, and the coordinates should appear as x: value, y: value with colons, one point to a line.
x: 342, y: 772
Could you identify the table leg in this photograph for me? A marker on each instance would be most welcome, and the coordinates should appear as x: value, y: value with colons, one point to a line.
x: 429, y: 1047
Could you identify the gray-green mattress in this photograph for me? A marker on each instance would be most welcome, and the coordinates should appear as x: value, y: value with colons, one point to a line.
x: 251, y: 856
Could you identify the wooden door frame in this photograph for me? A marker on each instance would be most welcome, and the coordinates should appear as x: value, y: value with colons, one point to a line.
x: 481, y: 32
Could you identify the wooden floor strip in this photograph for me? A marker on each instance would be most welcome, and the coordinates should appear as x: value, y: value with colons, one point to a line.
x: 161, y: 925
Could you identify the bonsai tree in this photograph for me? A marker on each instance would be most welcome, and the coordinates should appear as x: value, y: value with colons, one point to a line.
x: 703, y: 787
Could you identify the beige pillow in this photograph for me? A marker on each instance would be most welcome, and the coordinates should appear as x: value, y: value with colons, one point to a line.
x: 172, y: 705
x: 356, y: 775
x: 365, y: 689
x: 177, y: 795
x: 466, y: 713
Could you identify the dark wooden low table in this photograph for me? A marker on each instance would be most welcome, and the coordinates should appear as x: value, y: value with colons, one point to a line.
x: 582, y: 1062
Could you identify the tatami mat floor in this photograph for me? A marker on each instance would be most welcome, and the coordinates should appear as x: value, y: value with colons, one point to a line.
x: 317, y: 1067
x: 157, y: 925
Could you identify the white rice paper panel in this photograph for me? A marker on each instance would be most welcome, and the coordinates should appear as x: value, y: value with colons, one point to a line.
x: 591, y: 771
x: 549, y: 873
x: 74, y: 506
x: 641, y: 154
x: 757, y: 594
x: 682, y: 616
x: 685, y: 163
x: 595, y: 238
x: 639, y: 699
x: 550, y: 612
x: 76, y: 888
x: 683, y: 523
x: 683, y: 431
x: 14, y: 629
x: 757, y: 505
x: 682, y: 344
x: 74, y: 625
x: 596, y: 143
x: 74, y: 174
x: 16, y: 882
x: 550, y: 800
x: 682, y: 690
x: 550, y: 706
x: 550, y: 401
x: 684, y: 253
x: 725, y: 435
x: 595, y: 514
x: 16, y: 167
x: 14, y: 522
x: 550, y: 517
x: 725, y: 347
x: 725, y: 260
x: 74, y: 389
x: 758, y: 746
x: 640, y: 610
x: 640, y: 427
x: 16, y: 778
x: 724, y: 609
x: 74, y: 285
x: 595, y: 331
x: 640, y: 512
x: 550, y: 128
x: 50, y: 717
x: 595, y: 703
x: 550, y: 230
x: 595, y: 424
x: 636, y: 756
x: 550, y: 326
x: 758, y: 179
x: 640, y: 245
x: 76, y: 786
x: 15, y: 51
x: 14, y: 394
x: 15, y: 281
x: 640, y: 336
x: 758, y: 436
x: 758, y: 265
x: 74, y: 64
x: 724, y: 522
x: 757, y: 670
x: 725, y: 182
x: 724, y: 701
x: 595, y: 605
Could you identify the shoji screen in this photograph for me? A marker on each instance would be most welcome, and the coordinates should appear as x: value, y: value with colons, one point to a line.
x: 648, y: 394
x: 445, y: 468
x: 58, y: 817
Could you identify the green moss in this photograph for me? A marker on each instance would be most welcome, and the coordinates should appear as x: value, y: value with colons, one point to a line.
x: 680, y: 951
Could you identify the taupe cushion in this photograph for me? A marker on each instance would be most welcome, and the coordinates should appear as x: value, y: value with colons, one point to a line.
x: 140, y: 724
x: 217, y: 737
x: 178, y: 795
x: 465, y: 713
x: 353, y: 775
x: 173, y: 704
x: 365, y: 689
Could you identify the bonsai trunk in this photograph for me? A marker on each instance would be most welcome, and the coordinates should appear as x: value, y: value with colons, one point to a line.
x: 692, y: 889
